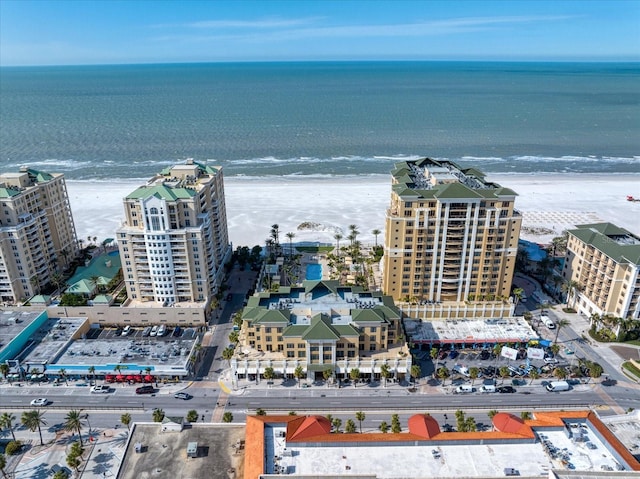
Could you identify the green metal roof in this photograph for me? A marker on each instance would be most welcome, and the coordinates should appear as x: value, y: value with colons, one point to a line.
x: 39, y: 176
x: 367, y: 315
x: 608, y: 238
x: 294, y: 331
x: 271, y: 316
x: 455, y: 190
x: 163, y: 192
x: 346, y: 330
x: 320, y: 328
x: 8, y: 192
x: 407, y: 184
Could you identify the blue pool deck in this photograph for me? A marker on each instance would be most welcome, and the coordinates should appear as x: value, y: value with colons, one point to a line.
x: 314, y: 272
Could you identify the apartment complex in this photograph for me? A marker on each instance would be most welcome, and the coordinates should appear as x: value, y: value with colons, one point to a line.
x: 450, y: 235
x: 174, y: 241
x: 604, y: 260
x: 37, y: 233
x: 321, y: 325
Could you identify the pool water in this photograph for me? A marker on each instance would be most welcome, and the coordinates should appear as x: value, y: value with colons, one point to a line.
x: 314, y: 272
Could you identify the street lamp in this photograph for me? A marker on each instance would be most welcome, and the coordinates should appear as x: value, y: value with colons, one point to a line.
x: 86, y: 416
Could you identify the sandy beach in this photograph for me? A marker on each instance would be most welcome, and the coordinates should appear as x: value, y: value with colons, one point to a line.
x: 549, y: 204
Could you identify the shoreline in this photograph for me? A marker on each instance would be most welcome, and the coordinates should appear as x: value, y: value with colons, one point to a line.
x: 546, y: 201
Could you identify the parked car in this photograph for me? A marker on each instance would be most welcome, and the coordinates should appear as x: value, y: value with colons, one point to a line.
x: 485, y: 354
x: 40, y: 402
x: 551, y: 360
x: 506, y: 389
x: 145, y: 390
x: 183, y: 396
x: 154, y: 331
x: 453, y: 354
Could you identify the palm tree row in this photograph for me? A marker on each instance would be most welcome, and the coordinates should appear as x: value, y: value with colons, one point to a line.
x: 34, y: 420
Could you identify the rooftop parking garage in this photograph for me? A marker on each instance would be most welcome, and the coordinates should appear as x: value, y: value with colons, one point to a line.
x: 50, y: 345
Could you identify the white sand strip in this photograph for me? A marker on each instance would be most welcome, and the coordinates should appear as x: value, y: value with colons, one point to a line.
x: 547, y: 202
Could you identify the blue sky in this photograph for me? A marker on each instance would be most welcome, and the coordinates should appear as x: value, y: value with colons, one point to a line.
x: 48, y: 32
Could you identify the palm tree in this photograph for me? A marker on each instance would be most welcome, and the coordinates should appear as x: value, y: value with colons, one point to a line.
x: 384, y: 427
x: 473, y: 374
x: 63, y: 375
x: 415, y: 373
x: 6, y: 422
x: 572, y: 288
x: 126, y: 419
x: 350, y: 426
x: 227, y: 354
x: 533, y: 374
x: 298, y: 373
x: 443, y: 374
x: 504, y: 373
x: 92, y: 372
x: 337, y: 237
x: 290, y: 236
x: 3, y: 464
x: 157, y: 415
x: 354, y: 374
x: 560, y: 373
x: 492, y: 413
x: 360, y: 416
x: 517, y: 294
x: 385, y: 373
x: 561, y: 323
x: 375, y: 233
x: 94, y: 280
x: 595, y: 370
x: 337, y: 423
x: 4, y: 370
x: 32, y: 420
x: 326, y: 374
x: 73, y: 422
x: 73, y: 462
x: 269, y: 373
x: 434, y: 357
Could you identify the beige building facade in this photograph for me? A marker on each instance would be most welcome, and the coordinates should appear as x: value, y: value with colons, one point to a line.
x: 321, y: 325
x: 450, y: 235
x: 37, y: 232
x: 174, y: 241
x: 604, y: 260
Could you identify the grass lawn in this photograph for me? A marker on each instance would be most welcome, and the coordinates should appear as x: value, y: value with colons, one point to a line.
x: 632, y: 369
x: 314, y: 249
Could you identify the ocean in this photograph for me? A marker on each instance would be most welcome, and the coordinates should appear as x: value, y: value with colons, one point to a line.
x: 320, y: 119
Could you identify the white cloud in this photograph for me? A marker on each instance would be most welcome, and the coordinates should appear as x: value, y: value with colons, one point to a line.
x: 279, y: 29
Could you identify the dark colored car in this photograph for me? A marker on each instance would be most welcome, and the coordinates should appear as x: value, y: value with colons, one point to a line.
x: 453, y: 354
x: 506, y: 389
x: 145, y: 390
x: 442, y: 354
x: 485, y: 354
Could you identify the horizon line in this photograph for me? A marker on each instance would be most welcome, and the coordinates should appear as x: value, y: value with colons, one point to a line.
x: 205, y: 62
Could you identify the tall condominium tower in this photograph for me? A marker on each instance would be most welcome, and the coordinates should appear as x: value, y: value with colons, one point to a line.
x: 450, y: 234
x: 37, y: 234
x: 174, y: 241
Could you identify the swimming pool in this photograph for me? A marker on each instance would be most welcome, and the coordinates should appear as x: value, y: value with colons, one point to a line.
x: 314, y: 272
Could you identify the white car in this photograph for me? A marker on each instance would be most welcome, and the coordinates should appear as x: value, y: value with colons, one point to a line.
x: 40, y: 402
x: 100, y: 389
x: 551, y: 360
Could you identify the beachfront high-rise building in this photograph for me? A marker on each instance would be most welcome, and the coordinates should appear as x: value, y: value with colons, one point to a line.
x: 450, y: 234
x: 37, y: 233
x: 603, y: 261
x: 174, y: 241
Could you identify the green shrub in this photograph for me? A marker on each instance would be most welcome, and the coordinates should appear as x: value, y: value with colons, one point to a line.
x: 13, y: 447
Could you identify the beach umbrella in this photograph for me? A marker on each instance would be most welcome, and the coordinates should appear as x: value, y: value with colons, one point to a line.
x: 119, y: 378
x: 148, y: 378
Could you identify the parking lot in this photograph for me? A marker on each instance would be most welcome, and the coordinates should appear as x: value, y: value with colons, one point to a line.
x: 459, y: 364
